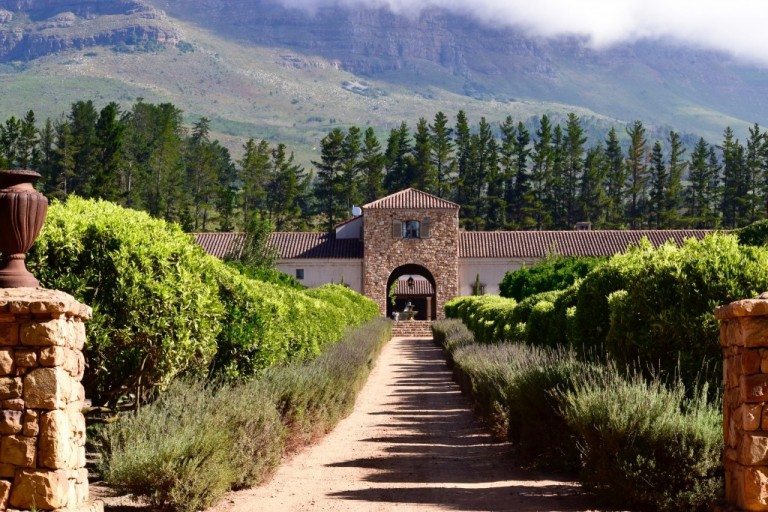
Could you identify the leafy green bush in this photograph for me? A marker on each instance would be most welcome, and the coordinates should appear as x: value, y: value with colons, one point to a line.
x: 754, y: 234
x: 451, y: 335
x: 552, y: 273
x: 162, y: 307
x: 666, y: 314
x: 646, y: 445
x: 145, y: 281
x: 489, y: 317
x: 186, y: 449
x: 268, y: 275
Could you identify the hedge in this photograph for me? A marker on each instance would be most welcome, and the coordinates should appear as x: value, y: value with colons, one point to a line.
x: 652, y: 306
x: 553, y: 273
x: 197, y: 441
x: 163, y: 308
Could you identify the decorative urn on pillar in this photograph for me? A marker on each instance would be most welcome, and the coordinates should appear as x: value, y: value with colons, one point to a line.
x: 22, y: 213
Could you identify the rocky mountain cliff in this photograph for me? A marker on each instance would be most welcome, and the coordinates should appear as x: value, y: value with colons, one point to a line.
x: 30, y: 29
x: 438, y: 48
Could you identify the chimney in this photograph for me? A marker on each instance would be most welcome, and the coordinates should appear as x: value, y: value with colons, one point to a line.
x: 583, y: 226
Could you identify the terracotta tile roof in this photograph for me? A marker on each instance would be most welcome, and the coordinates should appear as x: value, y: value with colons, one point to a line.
x: 420, y: 287
x: 221, y: 244
x: 538, y: 244
x: 315, y: 245
x: 411, y: 198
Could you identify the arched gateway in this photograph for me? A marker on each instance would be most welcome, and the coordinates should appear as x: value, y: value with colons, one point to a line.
x: 414, y: 285
x: 411, y: 233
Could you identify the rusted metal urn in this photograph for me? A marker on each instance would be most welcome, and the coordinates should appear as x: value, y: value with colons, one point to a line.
x: 22, y: 213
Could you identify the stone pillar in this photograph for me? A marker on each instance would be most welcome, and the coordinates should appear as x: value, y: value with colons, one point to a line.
x: 42, y: 428
x: 744, y: 338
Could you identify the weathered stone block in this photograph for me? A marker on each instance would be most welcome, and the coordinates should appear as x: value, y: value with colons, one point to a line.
x: 18, y: 450
x: 30, y: 423
x: 9, y: 334
x: 10, y: 387
x: 7, y: 470
x: 25, y: 358
x: 79, y: 339
x: 58, y: 332
x: 10, y: 422
x: 71, y: 362
x: 56, y: 445
x: 6, y: 361
x: 750, y: 331
x: 753, y: 489
x: 47, y: 388
x: 752, y: 415
x: 754, y: 388
x: 753, y: 449
x: 52, y: 356
x: 43, y: 490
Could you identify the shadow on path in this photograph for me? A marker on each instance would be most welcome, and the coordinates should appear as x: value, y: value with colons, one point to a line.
x: 437, y: 453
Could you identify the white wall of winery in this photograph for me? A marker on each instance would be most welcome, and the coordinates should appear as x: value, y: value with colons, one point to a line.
x: 491, y: 271
x: 318, y: 272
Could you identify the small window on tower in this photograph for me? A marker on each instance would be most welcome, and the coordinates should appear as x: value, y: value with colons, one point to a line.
x: 299, y: 273
x: 411, y: 229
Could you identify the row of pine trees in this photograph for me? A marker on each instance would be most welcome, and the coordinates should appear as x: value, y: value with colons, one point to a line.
x: 505, y: 176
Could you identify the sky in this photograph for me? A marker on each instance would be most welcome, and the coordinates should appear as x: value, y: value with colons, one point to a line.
x: 737, y: 27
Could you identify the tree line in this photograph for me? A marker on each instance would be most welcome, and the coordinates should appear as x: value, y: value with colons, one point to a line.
x: 504, y: 176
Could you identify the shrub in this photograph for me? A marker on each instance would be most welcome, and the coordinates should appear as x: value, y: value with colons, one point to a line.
x: 268, y: 275
x: 665, y: 317
x: 451, y: 335
x: 754, y: 234
x: 488, y: 317
x: 514, y: 390
x: 646, y: 445
x: 162, y: 307
x: 552, y: 273
x: 145, y: 280
x: 183, y: 451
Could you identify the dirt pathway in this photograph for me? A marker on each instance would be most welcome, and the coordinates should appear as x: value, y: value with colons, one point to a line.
x: 410, y: 444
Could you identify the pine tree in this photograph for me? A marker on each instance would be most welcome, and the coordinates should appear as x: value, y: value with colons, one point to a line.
x: 255, y: 168
x: 658, y: 179
x: 697, y: 201
x: 110, y: 132
x: 329, y: 186
x: 674, y: 191
x: 615, y: 182
x: 733, y: 176
x: 425, y: 173
x: 755, y: 173
x: 10, y: 135
x: 399, y: 160
x: 286, y: 189
x: 556, y: 197
x: 351, y: 150
x: 593, y: 199
x: 82, y: 120
x: 495, y: 204
x: 508, y: 168
x: 463, y: 155
x: 442, y: 153
x: 28, y: 153
x: 372, y: 168
x: 202, y: 172
x: 637, y: 171
x: 542, y: 157
x: 47, y: 151
x: 573, y: 167
x: 65, y: 161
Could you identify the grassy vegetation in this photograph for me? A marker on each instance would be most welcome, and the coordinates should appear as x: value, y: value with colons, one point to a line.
x: 183, y: 451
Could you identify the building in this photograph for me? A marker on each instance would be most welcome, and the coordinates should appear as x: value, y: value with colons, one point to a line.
x: 407, y: 247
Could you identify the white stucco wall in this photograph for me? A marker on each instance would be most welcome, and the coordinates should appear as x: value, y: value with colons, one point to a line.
x: 352, y: 229
x: 318, y: 272
x: 491, y: 272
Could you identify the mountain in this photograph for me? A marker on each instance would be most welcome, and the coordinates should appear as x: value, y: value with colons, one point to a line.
x: 258, y: 68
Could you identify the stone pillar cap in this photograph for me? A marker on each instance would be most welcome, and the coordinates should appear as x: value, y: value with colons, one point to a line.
x: 41, y: 301
x: 743, y: 308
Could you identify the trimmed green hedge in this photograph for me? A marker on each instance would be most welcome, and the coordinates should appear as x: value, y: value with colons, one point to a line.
x: 553, y: 273
x: 652, y: 306
x: 163, y: 308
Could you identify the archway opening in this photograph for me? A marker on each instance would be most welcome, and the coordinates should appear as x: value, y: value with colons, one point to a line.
x: 412, y: 285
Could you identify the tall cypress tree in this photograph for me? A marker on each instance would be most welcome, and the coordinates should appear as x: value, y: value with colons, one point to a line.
x: 425, y: 173
x: 371, y: 167
x: 399, y: 160
x: 28, y: 153
x: 555, y: 200
x: 442, y: 153
x: 616, y: 180
x: 255, y: 168
x: 508, y: 169
x: 351, y: 151
x: 696, y: 194
x: 637, y: 171
x: 541, y: 171
x: 658, y: 179
x: 755, y: 173
x: 463, y: 155
x: 593, y: 199
x: 110, y: 139
x: 673, y: 202
x: 573, y: 167
x: 329, y: 186
x: 732, y: 177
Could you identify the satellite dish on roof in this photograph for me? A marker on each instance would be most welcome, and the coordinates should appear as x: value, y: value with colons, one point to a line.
x: 357, y: 211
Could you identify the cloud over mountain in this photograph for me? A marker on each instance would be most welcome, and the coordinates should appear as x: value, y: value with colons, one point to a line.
x: 737, y: 27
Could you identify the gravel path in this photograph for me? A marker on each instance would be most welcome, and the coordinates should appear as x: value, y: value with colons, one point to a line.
x: 411, y: 443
